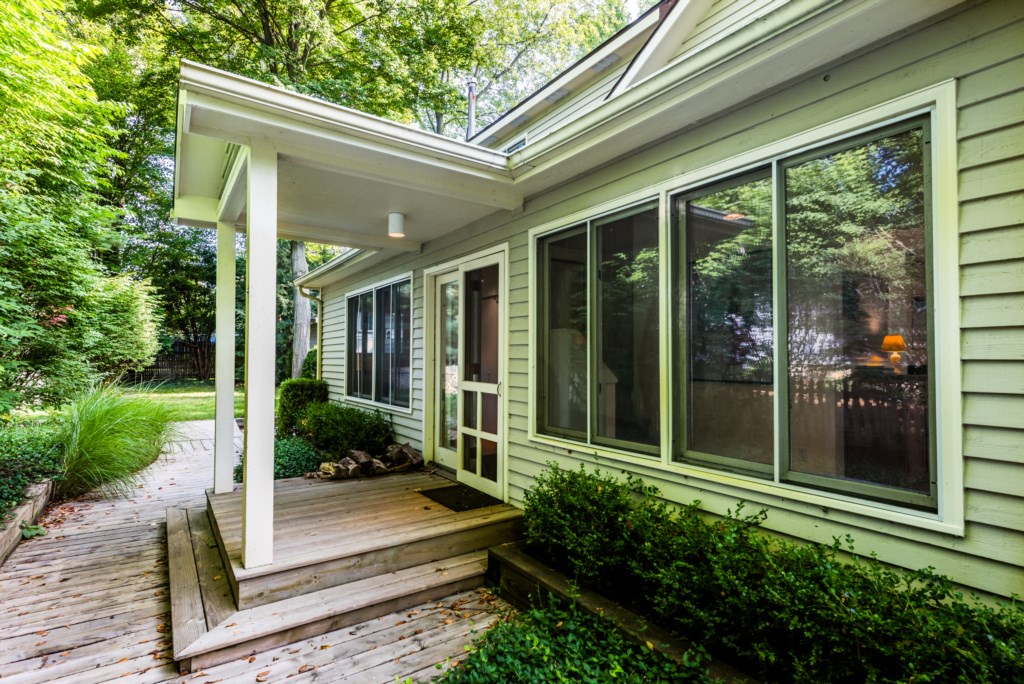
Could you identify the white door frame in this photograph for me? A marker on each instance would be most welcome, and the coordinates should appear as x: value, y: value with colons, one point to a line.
x: 500, y: 254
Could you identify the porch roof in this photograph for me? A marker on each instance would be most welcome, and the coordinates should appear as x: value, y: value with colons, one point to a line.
x: 340, y: 172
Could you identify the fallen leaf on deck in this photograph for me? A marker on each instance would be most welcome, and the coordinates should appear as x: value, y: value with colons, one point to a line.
x: 262, y: 676
x: 218, y: 577
x: 304, y: 668
x: 252, y: 659
x: 324, y: 647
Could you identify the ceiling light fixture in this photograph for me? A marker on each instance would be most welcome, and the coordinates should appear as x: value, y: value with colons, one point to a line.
x: 396, y: 225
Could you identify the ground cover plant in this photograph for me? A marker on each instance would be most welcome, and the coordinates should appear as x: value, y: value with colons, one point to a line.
x: 781, y: 611
x: 293, y: 457
x: 27, y: 456
x: 105, y: 437
x: 558, y: 643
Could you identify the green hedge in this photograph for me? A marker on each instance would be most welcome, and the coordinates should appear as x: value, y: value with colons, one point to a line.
x: 334, y: 429
x: 781, y: 611
x: 295, y: 396
x: 27, y: 455
x: 309, y: 365
x: 293, y: 457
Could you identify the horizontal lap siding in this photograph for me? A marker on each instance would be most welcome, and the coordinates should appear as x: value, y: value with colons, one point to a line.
x: 981, y: 46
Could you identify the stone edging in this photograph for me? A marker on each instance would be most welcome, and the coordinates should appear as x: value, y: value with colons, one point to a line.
x: 36, y: 498
x: 521, y: 577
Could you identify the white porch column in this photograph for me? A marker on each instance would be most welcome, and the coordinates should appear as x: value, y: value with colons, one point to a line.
x: 260, y: 336
x: 224, y: 434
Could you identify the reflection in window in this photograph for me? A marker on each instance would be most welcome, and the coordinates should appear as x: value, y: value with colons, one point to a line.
x: 566, y: 327
x: 728, y: 333
x: 360, y: 344
x: 628, y: 369
x: 380, y: 344
x: 602, y: 364
x: 858, y: 324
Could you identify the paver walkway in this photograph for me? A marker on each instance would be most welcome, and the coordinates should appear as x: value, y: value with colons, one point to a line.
x: 88, y: 602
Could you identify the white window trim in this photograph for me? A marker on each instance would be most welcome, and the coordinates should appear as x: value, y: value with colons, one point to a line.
x: 937, y: 101
x: 370, y: 403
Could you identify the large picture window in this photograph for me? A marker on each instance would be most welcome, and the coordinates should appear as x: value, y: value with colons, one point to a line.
x: 840, y: 309
x: 380, y: 344
x: 599, y: 337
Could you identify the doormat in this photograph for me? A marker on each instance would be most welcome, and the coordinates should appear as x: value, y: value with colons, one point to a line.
x: 460, y: 498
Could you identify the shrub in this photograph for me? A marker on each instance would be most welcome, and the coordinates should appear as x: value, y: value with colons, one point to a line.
x: 105, y: 437
x: 309, y: 364
x: 27, y: 456
x: 334, y: 429
x: 576, y: 521
x: 293, y: 457
x: 558, y: 644
x: 780, y: 610
x: 296, y: 395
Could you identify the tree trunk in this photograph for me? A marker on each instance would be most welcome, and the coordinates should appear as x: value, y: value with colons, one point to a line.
x: 300, y: 333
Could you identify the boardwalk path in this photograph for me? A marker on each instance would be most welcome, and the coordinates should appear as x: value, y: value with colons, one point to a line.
x: 88, y: 602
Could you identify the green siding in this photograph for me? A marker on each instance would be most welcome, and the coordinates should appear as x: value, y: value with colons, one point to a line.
x: 981, y: 45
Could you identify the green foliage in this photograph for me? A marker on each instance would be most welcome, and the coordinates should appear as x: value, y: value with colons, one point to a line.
x: 779, y: 610
x: 293, y: 457
x: 295, y: 396
x: 562, y: 644
x: 309, y: 364
x: 27, y: 456
x: 334, y: 429
x: 55, y: 305
x: 106, y: 436
x: 30, y: 531
x: 568, y: 515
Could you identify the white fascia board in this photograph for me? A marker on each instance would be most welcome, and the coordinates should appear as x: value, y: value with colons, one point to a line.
x: 667, y: 38
x: 190, y: 210
x: 652, y: 109
x: 334, y: 270
x: 197, y: 78
x: 582, y: 70
x: 233, y: 196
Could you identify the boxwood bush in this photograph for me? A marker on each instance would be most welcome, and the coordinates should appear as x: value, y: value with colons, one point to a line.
x: 782, y: 611
x: 295, y: 396
x: 293, y: 457
x: 309, y: 365
x: 334, y: 429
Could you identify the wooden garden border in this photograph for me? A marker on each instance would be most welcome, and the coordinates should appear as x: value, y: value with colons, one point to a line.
x: 36, y: 498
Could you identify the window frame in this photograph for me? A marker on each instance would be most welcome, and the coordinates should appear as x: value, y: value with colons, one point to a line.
x: 589, y: 228
x: 373, y: 400
x: 938, y: 102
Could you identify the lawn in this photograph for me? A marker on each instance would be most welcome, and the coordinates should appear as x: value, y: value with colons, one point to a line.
x: 191, y: 399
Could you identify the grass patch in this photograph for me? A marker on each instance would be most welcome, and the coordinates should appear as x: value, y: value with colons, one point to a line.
x: 105, y: 437
x: 189, y: 399
x: 562, y: 644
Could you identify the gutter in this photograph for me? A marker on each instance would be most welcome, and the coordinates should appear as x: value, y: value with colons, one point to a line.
x: 319, y: 326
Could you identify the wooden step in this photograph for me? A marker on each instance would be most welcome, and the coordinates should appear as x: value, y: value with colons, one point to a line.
x: 250, y: 631
x: 332, y: 533
x: 188, y: 619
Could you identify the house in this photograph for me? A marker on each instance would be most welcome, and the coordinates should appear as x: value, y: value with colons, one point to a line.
x: 757, y: 250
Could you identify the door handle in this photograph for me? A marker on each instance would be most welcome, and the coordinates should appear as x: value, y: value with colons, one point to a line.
x: 499, y: 388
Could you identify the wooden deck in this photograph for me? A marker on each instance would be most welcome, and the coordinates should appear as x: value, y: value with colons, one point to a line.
x: 344, y: 552
x: 89, y: 602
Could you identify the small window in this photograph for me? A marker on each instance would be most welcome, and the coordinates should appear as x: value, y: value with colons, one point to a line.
x: 599, y: 337
x: 380, y: 344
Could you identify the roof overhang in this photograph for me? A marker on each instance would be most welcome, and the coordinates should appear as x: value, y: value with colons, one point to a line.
x: 341, y: 172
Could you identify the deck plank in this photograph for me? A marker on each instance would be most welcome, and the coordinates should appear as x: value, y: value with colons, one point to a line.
x: 94, y: 593
x: 187, y: 615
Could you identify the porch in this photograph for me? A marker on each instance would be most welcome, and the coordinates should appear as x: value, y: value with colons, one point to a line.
x: 344, y: 552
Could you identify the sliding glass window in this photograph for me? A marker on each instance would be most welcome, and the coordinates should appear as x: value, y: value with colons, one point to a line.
x: 599, y: 332
x: 380, y: 344
x: 850, y: 270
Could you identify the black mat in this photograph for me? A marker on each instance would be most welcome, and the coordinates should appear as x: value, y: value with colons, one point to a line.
x: 460, y: 498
